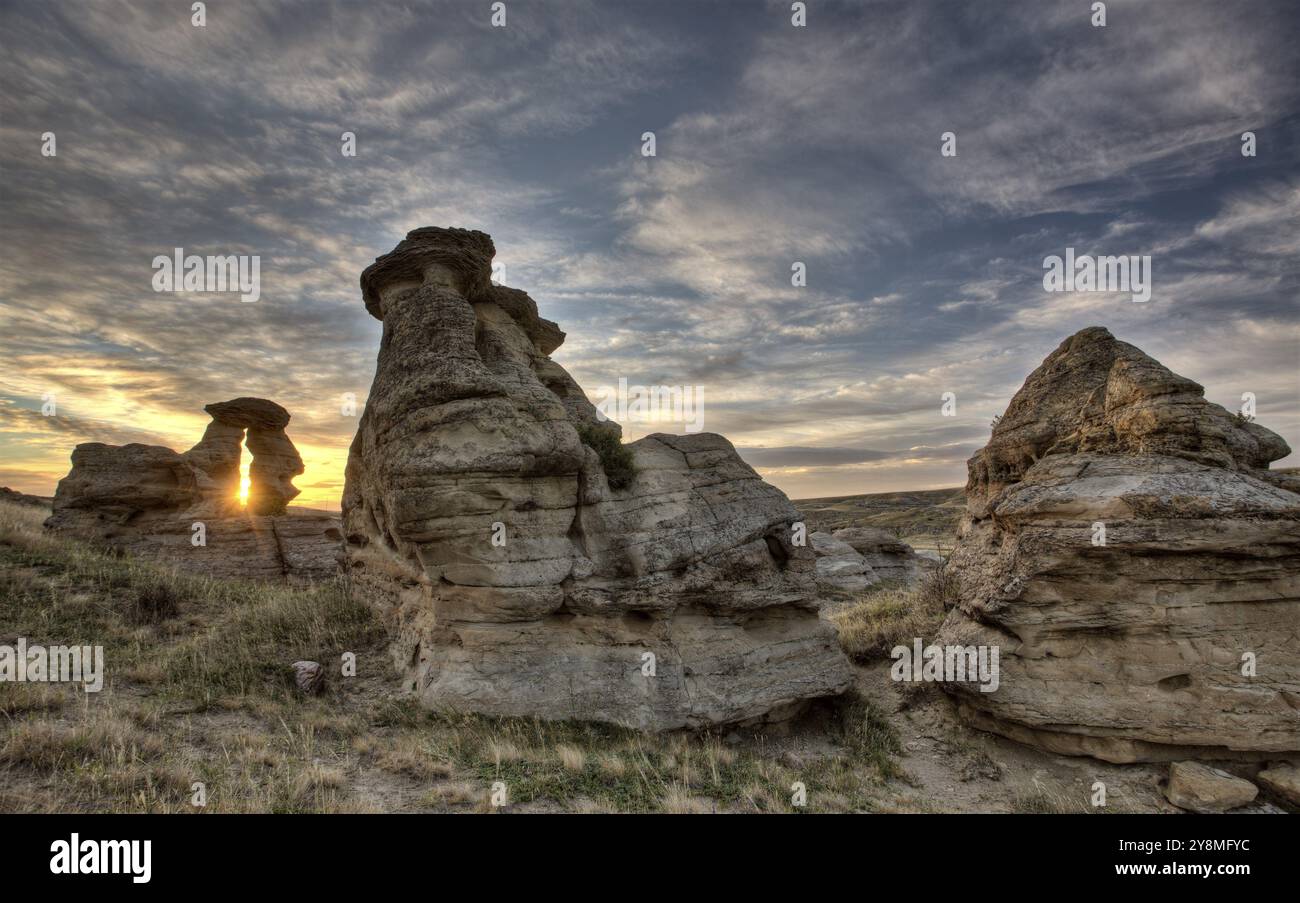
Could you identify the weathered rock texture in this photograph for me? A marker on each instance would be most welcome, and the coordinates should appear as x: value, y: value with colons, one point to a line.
x: 275, y: 461
x: 1133, y: 649
x: 678, y: 600
x: 1200, y: 788
x: 839, y: 566
x: 146, y: 499
x: 888, y: 556
x: 309, y: 677
x: 1282, y: 779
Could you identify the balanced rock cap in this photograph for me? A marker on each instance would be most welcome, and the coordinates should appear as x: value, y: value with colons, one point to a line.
x: 249, y: 412
x: 464, y: 255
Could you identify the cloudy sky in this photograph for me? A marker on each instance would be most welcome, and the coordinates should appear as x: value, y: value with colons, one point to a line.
x: 775, y: 144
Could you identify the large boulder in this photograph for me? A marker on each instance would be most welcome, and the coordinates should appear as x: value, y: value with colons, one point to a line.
x: 839, y: 566
x: 1135, y: 562
x: 184, y: 507
x: 113, y: 486
x: 888, y: 556
x: 482, y: 524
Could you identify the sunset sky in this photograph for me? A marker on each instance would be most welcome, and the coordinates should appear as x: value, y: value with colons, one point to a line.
x: 775, y: 144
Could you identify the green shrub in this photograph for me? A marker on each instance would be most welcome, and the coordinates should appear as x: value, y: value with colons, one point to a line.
x: 615, y: 457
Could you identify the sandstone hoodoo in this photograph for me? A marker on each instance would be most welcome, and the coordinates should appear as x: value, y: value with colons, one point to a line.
x: 275, y: 460
x: 517, y: 576
x: 1138, y: 565
x: 148, y: 499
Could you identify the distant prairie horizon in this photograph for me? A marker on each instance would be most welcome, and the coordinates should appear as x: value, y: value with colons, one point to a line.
x: 837, y: 232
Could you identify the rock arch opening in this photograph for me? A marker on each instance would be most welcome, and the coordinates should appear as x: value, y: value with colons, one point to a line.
x: 148, y: 499
x: 261, y: 482
x: 245, y: 478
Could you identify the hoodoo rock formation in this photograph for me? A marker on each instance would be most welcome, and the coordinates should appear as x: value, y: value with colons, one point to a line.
x: 839, y: 566
x: 481, y: 522
x: 275, y: 461
x: 1137, y: 564
x: 147, y: 499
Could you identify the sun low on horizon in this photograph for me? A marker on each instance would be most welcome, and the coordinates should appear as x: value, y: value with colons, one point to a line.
x: 245, y: 482
x: 36, y: 457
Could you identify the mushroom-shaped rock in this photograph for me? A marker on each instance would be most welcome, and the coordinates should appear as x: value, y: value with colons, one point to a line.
x: 156, y: 503
x: 516, y: 580
x: 459, y: 260
x: 249, y: 413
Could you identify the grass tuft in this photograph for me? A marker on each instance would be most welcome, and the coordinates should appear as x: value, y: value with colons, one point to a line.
x: 883, y: 619
x: 153, y: 603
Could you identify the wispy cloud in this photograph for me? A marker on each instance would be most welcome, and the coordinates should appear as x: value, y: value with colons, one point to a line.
x: 775, y: 145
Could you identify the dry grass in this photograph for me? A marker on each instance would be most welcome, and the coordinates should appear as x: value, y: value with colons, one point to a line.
x: 20, y: 525
x: 48, y: 746
x: 881, y: 620
x: 19, y: 700
x: 678, y: 800
x: 153, y: 603
x: 571, y: 757
x: 1047, y: 801
x: 612, y: 764
x: 198, y: 692
x: 410, y: 756
x: 502, y: 751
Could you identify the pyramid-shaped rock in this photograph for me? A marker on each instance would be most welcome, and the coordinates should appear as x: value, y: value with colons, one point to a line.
x: 1137, y: 565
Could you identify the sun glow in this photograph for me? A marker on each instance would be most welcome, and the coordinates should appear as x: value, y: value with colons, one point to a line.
x: 37, y: 466
x: 244, y: 481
